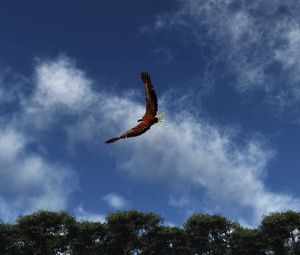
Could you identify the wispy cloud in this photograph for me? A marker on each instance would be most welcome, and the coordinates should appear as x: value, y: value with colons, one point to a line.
x: 115, y: 201
x: 257, y: 42
x: 180, y: 202
x: 163, y: 55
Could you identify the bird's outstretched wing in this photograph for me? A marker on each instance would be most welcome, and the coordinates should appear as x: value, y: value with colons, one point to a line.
x: 149, y: 117
x: 136, y: 131
x: 151, y: 100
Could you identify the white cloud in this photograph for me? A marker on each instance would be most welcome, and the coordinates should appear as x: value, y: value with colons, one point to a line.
x: 239, y: 25
x: 194, y: 157
x: 60, y: 89
x: 61, y: 83
x: 289, y: 54
x: 82, y: 214
x: 190, y: 155
x: 27, y: 181
x: 115, y: 201
x: 11, y: 143
x: 204, y: 166
x: 257, y: 42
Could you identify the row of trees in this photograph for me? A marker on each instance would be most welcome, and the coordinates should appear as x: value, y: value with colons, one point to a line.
x: 134, y: 232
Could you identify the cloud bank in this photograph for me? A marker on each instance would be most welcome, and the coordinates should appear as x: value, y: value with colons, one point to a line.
x: 205, y: 166
x: 28, y: 179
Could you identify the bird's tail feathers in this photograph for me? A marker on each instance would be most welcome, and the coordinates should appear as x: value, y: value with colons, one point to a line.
x: 113, y: 140
x: 161, y: 118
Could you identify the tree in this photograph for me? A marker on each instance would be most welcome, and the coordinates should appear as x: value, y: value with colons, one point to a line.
x: 167, y: 241
x: 90, y: 238
x: 137, y: 233
x: 208, y: 234
x: 281, y: 230
x: 45, y: 232
x: 126, y: 230
x: 9, y: 243
x: 247, y: 242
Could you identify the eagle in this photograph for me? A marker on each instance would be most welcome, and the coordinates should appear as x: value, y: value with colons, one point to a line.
x: 150, y: 117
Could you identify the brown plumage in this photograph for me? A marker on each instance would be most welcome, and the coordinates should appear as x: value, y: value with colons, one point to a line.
x: 149, y: 117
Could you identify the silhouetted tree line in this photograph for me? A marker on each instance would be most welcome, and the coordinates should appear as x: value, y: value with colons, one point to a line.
x: 133, y: 232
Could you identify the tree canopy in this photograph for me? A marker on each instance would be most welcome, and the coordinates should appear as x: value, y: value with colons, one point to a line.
x: 144, y: 233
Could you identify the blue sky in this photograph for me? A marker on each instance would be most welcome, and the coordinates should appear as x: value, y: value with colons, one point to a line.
x: 226, y: 74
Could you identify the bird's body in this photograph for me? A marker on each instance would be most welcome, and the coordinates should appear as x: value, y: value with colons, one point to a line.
x: 150, y: 117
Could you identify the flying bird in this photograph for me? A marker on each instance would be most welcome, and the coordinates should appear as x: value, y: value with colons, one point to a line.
x: 150, y: 117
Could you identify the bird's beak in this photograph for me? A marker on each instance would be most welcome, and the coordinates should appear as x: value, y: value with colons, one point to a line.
x: 139, y: 120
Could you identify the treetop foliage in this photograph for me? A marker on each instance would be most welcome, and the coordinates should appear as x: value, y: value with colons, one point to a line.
x: 134, y: 232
